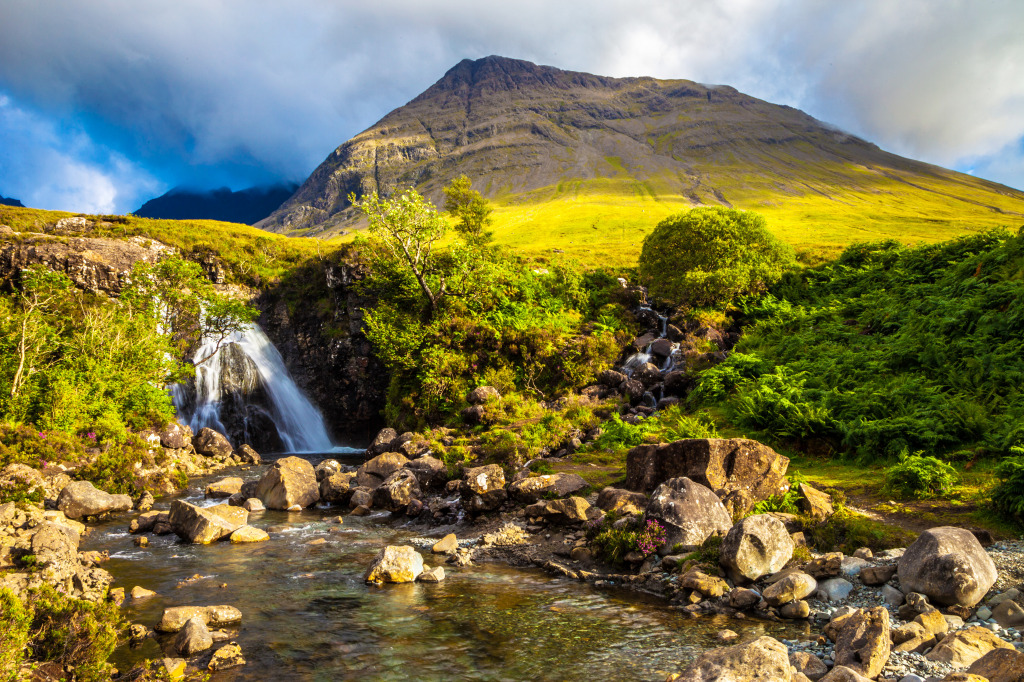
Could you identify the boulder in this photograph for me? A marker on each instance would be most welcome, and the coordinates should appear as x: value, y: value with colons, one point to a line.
x: 963, y: 647
x: 792, y: 587
x: 53, y: 544
x: 337, y: 488
x: 395, y: 564
x: 446, y: 545
x: 743, y: 598
x: 741, y: 472
x: 225, y: 487
x: 808, y: 664
x: 841, y: 673
x: 863, y: 643
x: 647, y: 374
x: 382, y: 442
x: 360, y: 497
x: 82, y: 498
x: 253, y: 504
x: 765, y: 660
x: 877, y: 575
x: 690, y: 512
x: 622, y: 501
x: 175, y: 436
x: 795, y: 610
x: 203, y: 525
x: 1000, y: 665
x: 611, y: 378
x: 529, y: 490
x: 483, y: 488
x: 432, y: 575
x: 228, y: 656
x: 373, y: 472
x: 175, y: 617
x: 632, y: 388
x: 193, y: 637
x: 1009, y: 614
x: 249, y: 534
x: 481, y: 395
x: 397, y: 491
x: 568, y: 511
x: 835, y: 589
x: 825, y: 566
x: 707, y: 585
x: 327, y: 467
x: 139, y: 593
x: 756, y: 546
x: 814, y: 503
x: 948, y: 565
x: 431, y: 472
x: 247, y: 454
x: 933, y: 621
x: 289, y: 482
x: 912, y: 637
x: 212, y: 443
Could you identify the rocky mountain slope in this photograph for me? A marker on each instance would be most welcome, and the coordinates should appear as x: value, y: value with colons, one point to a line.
x: 527, y: 134
x: 244, y: 206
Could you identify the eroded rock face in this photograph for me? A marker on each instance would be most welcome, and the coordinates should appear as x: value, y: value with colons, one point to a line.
x: 212, y: 443
x: 203, y: 525
x: 529, y: 490
x: 290, y: 482
x: 863, y: 643
x: 948, y: 565
x: 689, y: 511
x: 82, y: 498
x: 741, y: 472
x: 765, y: 660
x: 756, y: 546
x: 395, y: 564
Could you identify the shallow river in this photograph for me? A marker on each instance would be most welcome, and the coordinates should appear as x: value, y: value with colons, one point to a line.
x: 308, y: 615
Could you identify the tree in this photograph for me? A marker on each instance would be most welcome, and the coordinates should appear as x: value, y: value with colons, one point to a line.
x: 470, y: 208
x: 706, y: 256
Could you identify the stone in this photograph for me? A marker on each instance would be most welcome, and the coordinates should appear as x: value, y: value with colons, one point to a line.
x: 793, y: 587
x: 1011, y: 593
x: 765, y: 660
x: 373, y: 472
x: 81, y: 498
x: 253, y: 504
x: 756, y: 546
x: 203, y: 525
x: 382, y: 442
x: 726, y: 636
x: 743, y: 598
x: 54, y: 544
x: 431, y: 472
x: 228, y: 656
x: 932, y: 621
x: 795, y: 610
x: 395, y: 564
x: 212, y: 443
x: 193, y: 637
x: 116, y: 595
x: 877, y: 575
x: 139, y: 593
x: 529, y: 490
x: 622, y: 501
x: 145, y: 502
x: 1009, y: 614
x: 841, y: 673
x: 446, y: 545
x: 851, y: 566
x: 247, y: 454
x: 963, y: 647
x: 433, y: 575
x: 567, y: 511
x: 948, y: 565
x: 912, y: 637
x: 483, y: 488
x: 337, y: 488
x: 249, y: 534
x: 481, y: 395
x: 835, y: 589
x: 611, y: 378
x: 327, y: 467
x: 709, y: 586
x: 175, y: 617
x: 175, y: 436
x: 864, y: 553
x: 289, y: 481
x: 647, y: 374
x: 825, y: 566
x: 741, y: 472
x: 225, y: 487
x: 864, y: 642
x: 360, y: 497
x: 891, y: 595
x: 1000, y: 665
x: 397, y: 491
x: 814, y: 503
x: 632, y: 389
x: 689, y: 512
x: 808, y: 664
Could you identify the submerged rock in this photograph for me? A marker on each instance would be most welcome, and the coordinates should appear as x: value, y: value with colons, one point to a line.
x: 765, y: 660
x: 228, y: 656
x: 175, y: 617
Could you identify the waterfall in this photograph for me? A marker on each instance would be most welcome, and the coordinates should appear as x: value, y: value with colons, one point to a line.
x: 243, y: 389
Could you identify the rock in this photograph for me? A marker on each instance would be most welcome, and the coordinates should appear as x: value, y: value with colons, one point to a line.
x: 138, y: 593
x: 1011, y: 593
x: 756, y: 546
x: 741, y: 472
x: 707, y: 585
x: 175, y: 617
x: 1009, y: 614
x: 912, y: 637
x: 116, y: 595
x: 247, y: 454
x: 795, y: 610
x: 82, y: 498
x: 814, y: 503
x: 529, y: 490
x: 611, y: 378
x: 851, y: 566
x: 793, y: 587
x: 825, y: 566
x: 481, y: 395
x: 212, y: 443
x: 193, y: 637
x: 203, y: 525
x: 431, y: 472
x: 228, y: 656
x: 808, y: 664
x: 289, y: 481
x: 891, y: 595
x: 835, y: 589
x: 395, y: 564
x: 647, y: 374
x: 361, y: 497
x: 225, y: 487
x: 932, y: 621
x: 54, y: 544
x: 963, y: 647
x: 948, y: 565
x: 327, y: 467
x: 689, y: 511
x: 726, y: 636
x: 253, y: 504
x: 622, y: 501
x: 175, y: 436
x: 864, y: 553
x: 962, y: 676
x: 249, y: 534
x: 373, y: 472
x: 337, y: 488
x: 877, y: 575
x: 433, y: 575
x: 397, y: 491
x: 1000, y: 665
x: 446, y: 545
x: 765, y: 660
x: 841, y: 673
x: 382, y: 442
x: 483, y: 488
x: 743, y: 598
x: 567, y: 511
x: 864, y: 642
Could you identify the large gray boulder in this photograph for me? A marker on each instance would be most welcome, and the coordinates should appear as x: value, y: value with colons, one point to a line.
x: 397, y: 491
x: 289, y: 483
x: 948, y: 565
x: 529, y: 490
x: 82, y: 498
x: 740, y: 471
x: 483, y: 488
x: 766, y: 659
x: 756, y: 546
x: 212, y: 443
x: 203, y: 525
x: 689, y: 511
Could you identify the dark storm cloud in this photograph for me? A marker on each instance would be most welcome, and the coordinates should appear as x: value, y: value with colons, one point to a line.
x: 116, y: 100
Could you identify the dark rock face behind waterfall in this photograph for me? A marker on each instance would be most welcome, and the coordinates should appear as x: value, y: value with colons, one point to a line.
x: 245, y: 406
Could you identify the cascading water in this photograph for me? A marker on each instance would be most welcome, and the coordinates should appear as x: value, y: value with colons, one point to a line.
x: 642, y: 357
x: 244, y: 390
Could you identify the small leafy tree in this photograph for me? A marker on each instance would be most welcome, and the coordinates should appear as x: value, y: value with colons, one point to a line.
x: 706, y: 256
x: 470, y: 208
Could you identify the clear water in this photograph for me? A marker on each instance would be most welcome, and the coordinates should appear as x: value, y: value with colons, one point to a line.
x: 308, y: 615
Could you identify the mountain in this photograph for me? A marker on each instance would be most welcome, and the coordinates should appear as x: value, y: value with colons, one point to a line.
x: 587, y: 162
x: 244, y: 206
x: 10, y: 202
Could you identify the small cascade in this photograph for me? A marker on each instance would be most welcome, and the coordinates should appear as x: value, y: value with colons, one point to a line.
x: 663, y: 357
x: 243, y: 390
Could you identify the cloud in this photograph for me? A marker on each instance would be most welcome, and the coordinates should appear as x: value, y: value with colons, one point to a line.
x: 239, y: 92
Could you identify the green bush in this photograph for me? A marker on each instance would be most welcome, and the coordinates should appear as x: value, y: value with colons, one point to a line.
x: 636, y: 534
x: 15, y: 625
x: 1008, y: 496
x: 919, y: 477
x: 707, y: 256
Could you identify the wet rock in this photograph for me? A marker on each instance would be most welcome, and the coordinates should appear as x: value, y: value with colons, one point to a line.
x: 203, y: 525
x: 814, y: 503
x: 743, y: 598
x: 337, y: 488
x: 483, y: 488
x: 764, y: 660
x: 145, y: 502
x: 382, y: 442
x: 963, y: 647
x: 622, y: 501
x: 431, y: 472
x: 175, y: 436
x: 661, y: 348
x: 707, y: 585
x: 864, y: 642
x: 397, y: 491
x: 529, y: 490
x: 228, y: 656
x: 175, y: 617
x: 948, y: 565
x: 1000, y: 665
x: 877, y: 575
x: 249, y: 534
x: 795, y: 610
x: 253, y: 504
x: 395, y: 564
x: 741, y: 472
x: 808, y: 664
x: 792, y: 587
x: 361, y: 497
x: 225, y: 487
x: 756, y: 546
x: 82, y: 498
x: 433, y: 575
x: 446, y: 545
x: 247, y: 454
x: 212, y: 443
x: 481, y: 395
x: 647, y: 374
x: 632, y: 388
x: 290, y: 481
x: 139, y: 593
x: 193, y: 637
x: 372, y: 473
x: 690, y: 512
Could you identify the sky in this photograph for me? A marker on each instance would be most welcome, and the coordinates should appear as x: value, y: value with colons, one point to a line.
x: 105, y: 104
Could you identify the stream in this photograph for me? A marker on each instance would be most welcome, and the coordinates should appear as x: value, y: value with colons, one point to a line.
x: 308, y: 615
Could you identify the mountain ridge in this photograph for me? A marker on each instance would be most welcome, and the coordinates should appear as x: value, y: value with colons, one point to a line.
x: 245, y: 206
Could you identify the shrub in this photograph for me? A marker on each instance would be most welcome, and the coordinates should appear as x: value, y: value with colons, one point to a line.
x: 15, y: 623
x: 918, y: 477
x: 706, y: 256
x: 637, y: 534
x: 709, y: 552
x: 1008, y: 495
